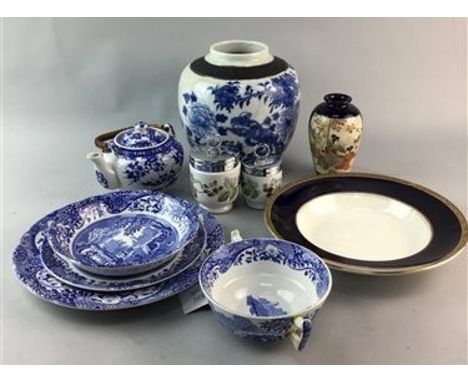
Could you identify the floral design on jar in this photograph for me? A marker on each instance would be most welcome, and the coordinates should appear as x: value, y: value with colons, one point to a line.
x: 335, y: 130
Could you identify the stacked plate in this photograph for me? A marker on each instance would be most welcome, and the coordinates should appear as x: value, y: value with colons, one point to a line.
x: 115, y: 251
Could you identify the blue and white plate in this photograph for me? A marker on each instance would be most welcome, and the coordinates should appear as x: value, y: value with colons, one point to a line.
x: 31, y: 271
x: 69, y: 274
x: 122, y: 233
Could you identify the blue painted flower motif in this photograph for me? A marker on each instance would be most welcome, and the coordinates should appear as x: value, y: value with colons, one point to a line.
x: 254, y: 133
x: 284, y: 90
x: 140, y: 137
x: 155, y: 170
x: 231, y: 147
x: 145, y: 157
x: 201, y: 119
x: 226, y: 96
x: 190, y: 97
x: 101, y: 179
x: 252, y: 113
x: 221, y: 118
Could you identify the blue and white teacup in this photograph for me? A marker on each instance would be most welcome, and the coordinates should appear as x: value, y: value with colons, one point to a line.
x: 265, y: 289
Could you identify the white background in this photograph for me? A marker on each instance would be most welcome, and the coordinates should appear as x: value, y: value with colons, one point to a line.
x: 65, y: 80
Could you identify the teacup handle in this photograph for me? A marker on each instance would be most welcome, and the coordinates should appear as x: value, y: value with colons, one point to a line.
x: 235, y: 236
x: 301, y: 329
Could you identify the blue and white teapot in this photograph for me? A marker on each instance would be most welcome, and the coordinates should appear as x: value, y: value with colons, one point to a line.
x: 146, y: 156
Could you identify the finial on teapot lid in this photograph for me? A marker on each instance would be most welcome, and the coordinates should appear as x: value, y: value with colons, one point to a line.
x: 141, y: 125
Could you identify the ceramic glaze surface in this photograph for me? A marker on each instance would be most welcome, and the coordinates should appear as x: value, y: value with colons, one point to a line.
x: 102, y: 179
x: 146, y: 169
x: 30, y: 270
x: 262, y: 307
x: 141, y: 137
x: 142, y: 157
x: 257, y: 287
x: 275, y: 258
x: 335, y: 130
x: 241, y: 286
x: 400, y: 222
x: 245, y: 111
x: 257, y: 189
x: 215, y: 191
x: 124, y: 240
x: 71, y: 275
x: 114, y: 223
x: 364, y: 226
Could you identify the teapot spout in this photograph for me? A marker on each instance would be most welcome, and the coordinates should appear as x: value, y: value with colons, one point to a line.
x: 105, y: 172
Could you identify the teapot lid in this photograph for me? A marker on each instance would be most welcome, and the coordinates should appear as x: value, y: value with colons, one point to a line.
x: 141, y: 137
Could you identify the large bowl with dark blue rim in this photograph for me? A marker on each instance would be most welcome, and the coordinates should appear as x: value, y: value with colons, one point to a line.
x: 123, y: 233
x: 447, y: 225
x: 265, y: 289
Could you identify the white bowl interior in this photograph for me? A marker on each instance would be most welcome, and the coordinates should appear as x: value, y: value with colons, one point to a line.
x: 278, y: 289
x: 364, y: 226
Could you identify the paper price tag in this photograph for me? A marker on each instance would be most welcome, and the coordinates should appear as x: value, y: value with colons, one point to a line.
x: 192, y: 299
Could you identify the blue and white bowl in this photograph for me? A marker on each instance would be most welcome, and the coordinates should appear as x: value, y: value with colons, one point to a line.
x: 265, y: 289
x: 123, y: 233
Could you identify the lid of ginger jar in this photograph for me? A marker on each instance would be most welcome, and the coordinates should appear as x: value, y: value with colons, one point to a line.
x: 141, y: 137
x: 209, y: 158
x: 262, y: 165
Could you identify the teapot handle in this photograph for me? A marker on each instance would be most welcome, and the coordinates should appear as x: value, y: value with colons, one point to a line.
x: 101, y: 141
x: 167, y: 127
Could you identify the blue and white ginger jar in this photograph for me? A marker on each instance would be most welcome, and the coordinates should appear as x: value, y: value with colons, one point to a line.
x: 242, y: 93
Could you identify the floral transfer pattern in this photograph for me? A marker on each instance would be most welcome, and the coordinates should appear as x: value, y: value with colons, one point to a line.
x: 334, y: 142
x: 102, y: 179
x: 222, y: 192
x: 146, y: 168
x: 141, y: 137
x: 244, y: 113
x: 252, y: 189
